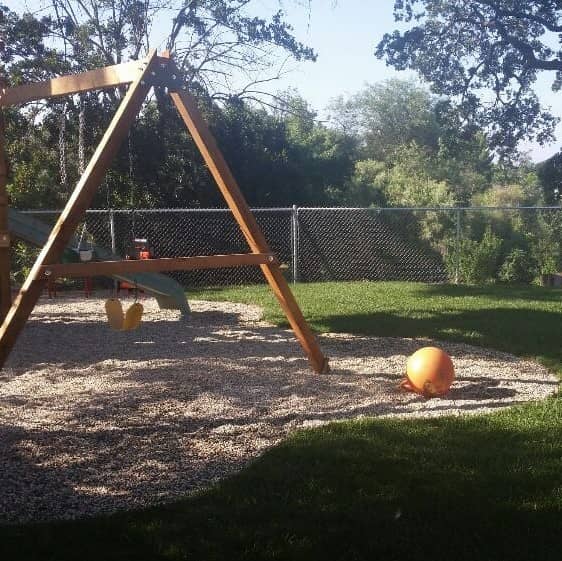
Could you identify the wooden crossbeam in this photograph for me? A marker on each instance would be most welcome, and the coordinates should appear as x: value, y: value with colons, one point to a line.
x: 108, y: 268
x: 108, y: 77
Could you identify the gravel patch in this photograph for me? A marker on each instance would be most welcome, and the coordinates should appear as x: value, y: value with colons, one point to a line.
x: 93, y: 421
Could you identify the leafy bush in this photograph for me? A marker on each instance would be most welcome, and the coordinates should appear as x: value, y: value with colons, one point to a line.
x: 477, y: 261
x: 547, y: 247
x: 519, y: 266
x: 23, y: 257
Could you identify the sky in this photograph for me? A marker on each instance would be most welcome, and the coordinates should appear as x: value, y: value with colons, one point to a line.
x: 344, y: 34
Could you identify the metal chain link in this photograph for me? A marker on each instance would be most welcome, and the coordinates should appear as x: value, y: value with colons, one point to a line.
x: 62, y: 147
x: 337, y: 244
x: 81, y: 132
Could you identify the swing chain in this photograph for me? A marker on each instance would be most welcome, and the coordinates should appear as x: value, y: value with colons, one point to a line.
x: 131, y: 161
x: 81, y: 237
x: 81, y: 130
x: 62, y: 146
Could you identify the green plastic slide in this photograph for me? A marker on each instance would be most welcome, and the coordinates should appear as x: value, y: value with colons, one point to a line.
x: 168, y: 293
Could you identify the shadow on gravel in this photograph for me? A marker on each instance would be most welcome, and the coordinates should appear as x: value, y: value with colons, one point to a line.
x: 95, y: 421
x: 456, y: 488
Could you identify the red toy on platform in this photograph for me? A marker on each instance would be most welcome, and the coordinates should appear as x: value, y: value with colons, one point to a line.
x: 141, y: 250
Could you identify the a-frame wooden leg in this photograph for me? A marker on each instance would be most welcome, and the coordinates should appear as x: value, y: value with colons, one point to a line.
x: 79, y: 201
x: 214, y: 159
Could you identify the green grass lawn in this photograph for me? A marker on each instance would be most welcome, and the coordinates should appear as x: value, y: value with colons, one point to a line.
x: 525, y: 321
x: 479, y: 488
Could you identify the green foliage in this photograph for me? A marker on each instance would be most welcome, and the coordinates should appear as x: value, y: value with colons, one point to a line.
x: 23, y: 257
x: 287, y: 158
x: 466, y: 48
x: 519, y: 267
x: 409, y: 181
x: 464, y: 164
x: 365, y: 185
x: 388, y: 115
x: 403, y: 181
x: 477, y: 261
x: 401, y: 124
x: 502, y: 195
x: 25, y: 55
x: 550, y: 177
x: 546, y: 243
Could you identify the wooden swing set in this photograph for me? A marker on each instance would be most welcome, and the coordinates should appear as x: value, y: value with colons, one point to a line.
x: 140, y: 76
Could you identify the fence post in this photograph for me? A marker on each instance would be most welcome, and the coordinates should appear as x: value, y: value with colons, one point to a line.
x: 113, y: 242
x: 458, y: 247
x: 295, y: 242
x: 112, y: 231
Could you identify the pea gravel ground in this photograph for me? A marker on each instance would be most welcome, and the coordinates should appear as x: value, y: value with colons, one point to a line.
x: 94, y: 421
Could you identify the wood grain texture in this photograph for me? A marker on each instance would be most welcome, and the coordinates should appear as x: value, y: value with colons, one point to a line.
x: 190, y: 114
x: 108, y: 77
x: 74, y: 210
x: 108, y: 268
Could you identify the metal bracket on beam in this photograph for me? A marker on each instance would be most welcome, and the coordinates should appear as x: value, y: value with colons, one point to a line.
x: 161, y: 77
x: 4, y: 239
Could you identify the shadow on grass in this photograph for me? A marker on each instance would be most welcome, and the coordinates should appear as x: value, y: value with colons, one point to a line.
x: 524, y: 332
x: 472, y: 488
x: 509, y: 292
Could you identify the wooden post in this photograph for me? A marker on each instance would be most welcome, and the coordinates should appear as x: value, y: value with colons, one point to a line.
x: 75, y: 208
x: 218, y: 167
x: 5, y: 289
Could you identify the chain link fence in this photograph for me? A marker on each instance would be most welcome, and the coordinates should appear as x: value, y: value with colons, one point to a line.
x: 338, y: 244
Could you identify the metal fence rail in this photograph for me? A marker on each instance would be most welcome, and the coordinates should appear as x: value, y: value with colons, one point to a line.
x: 324, y: 244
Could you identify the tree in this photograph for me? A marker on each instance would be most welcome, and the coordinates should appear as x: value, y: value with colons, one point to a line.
x: 211, y: 39
x: 486, y: 54
x: 387, y: 115
x: 285, y: 157
x: 550, y: 177
x: 398, y: 118
x: 24, y: 55
x: 410, y: 182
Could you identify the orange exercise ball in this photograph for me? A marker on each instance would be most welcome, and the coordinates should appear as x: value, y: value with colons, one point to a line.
x: 429, y: 371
